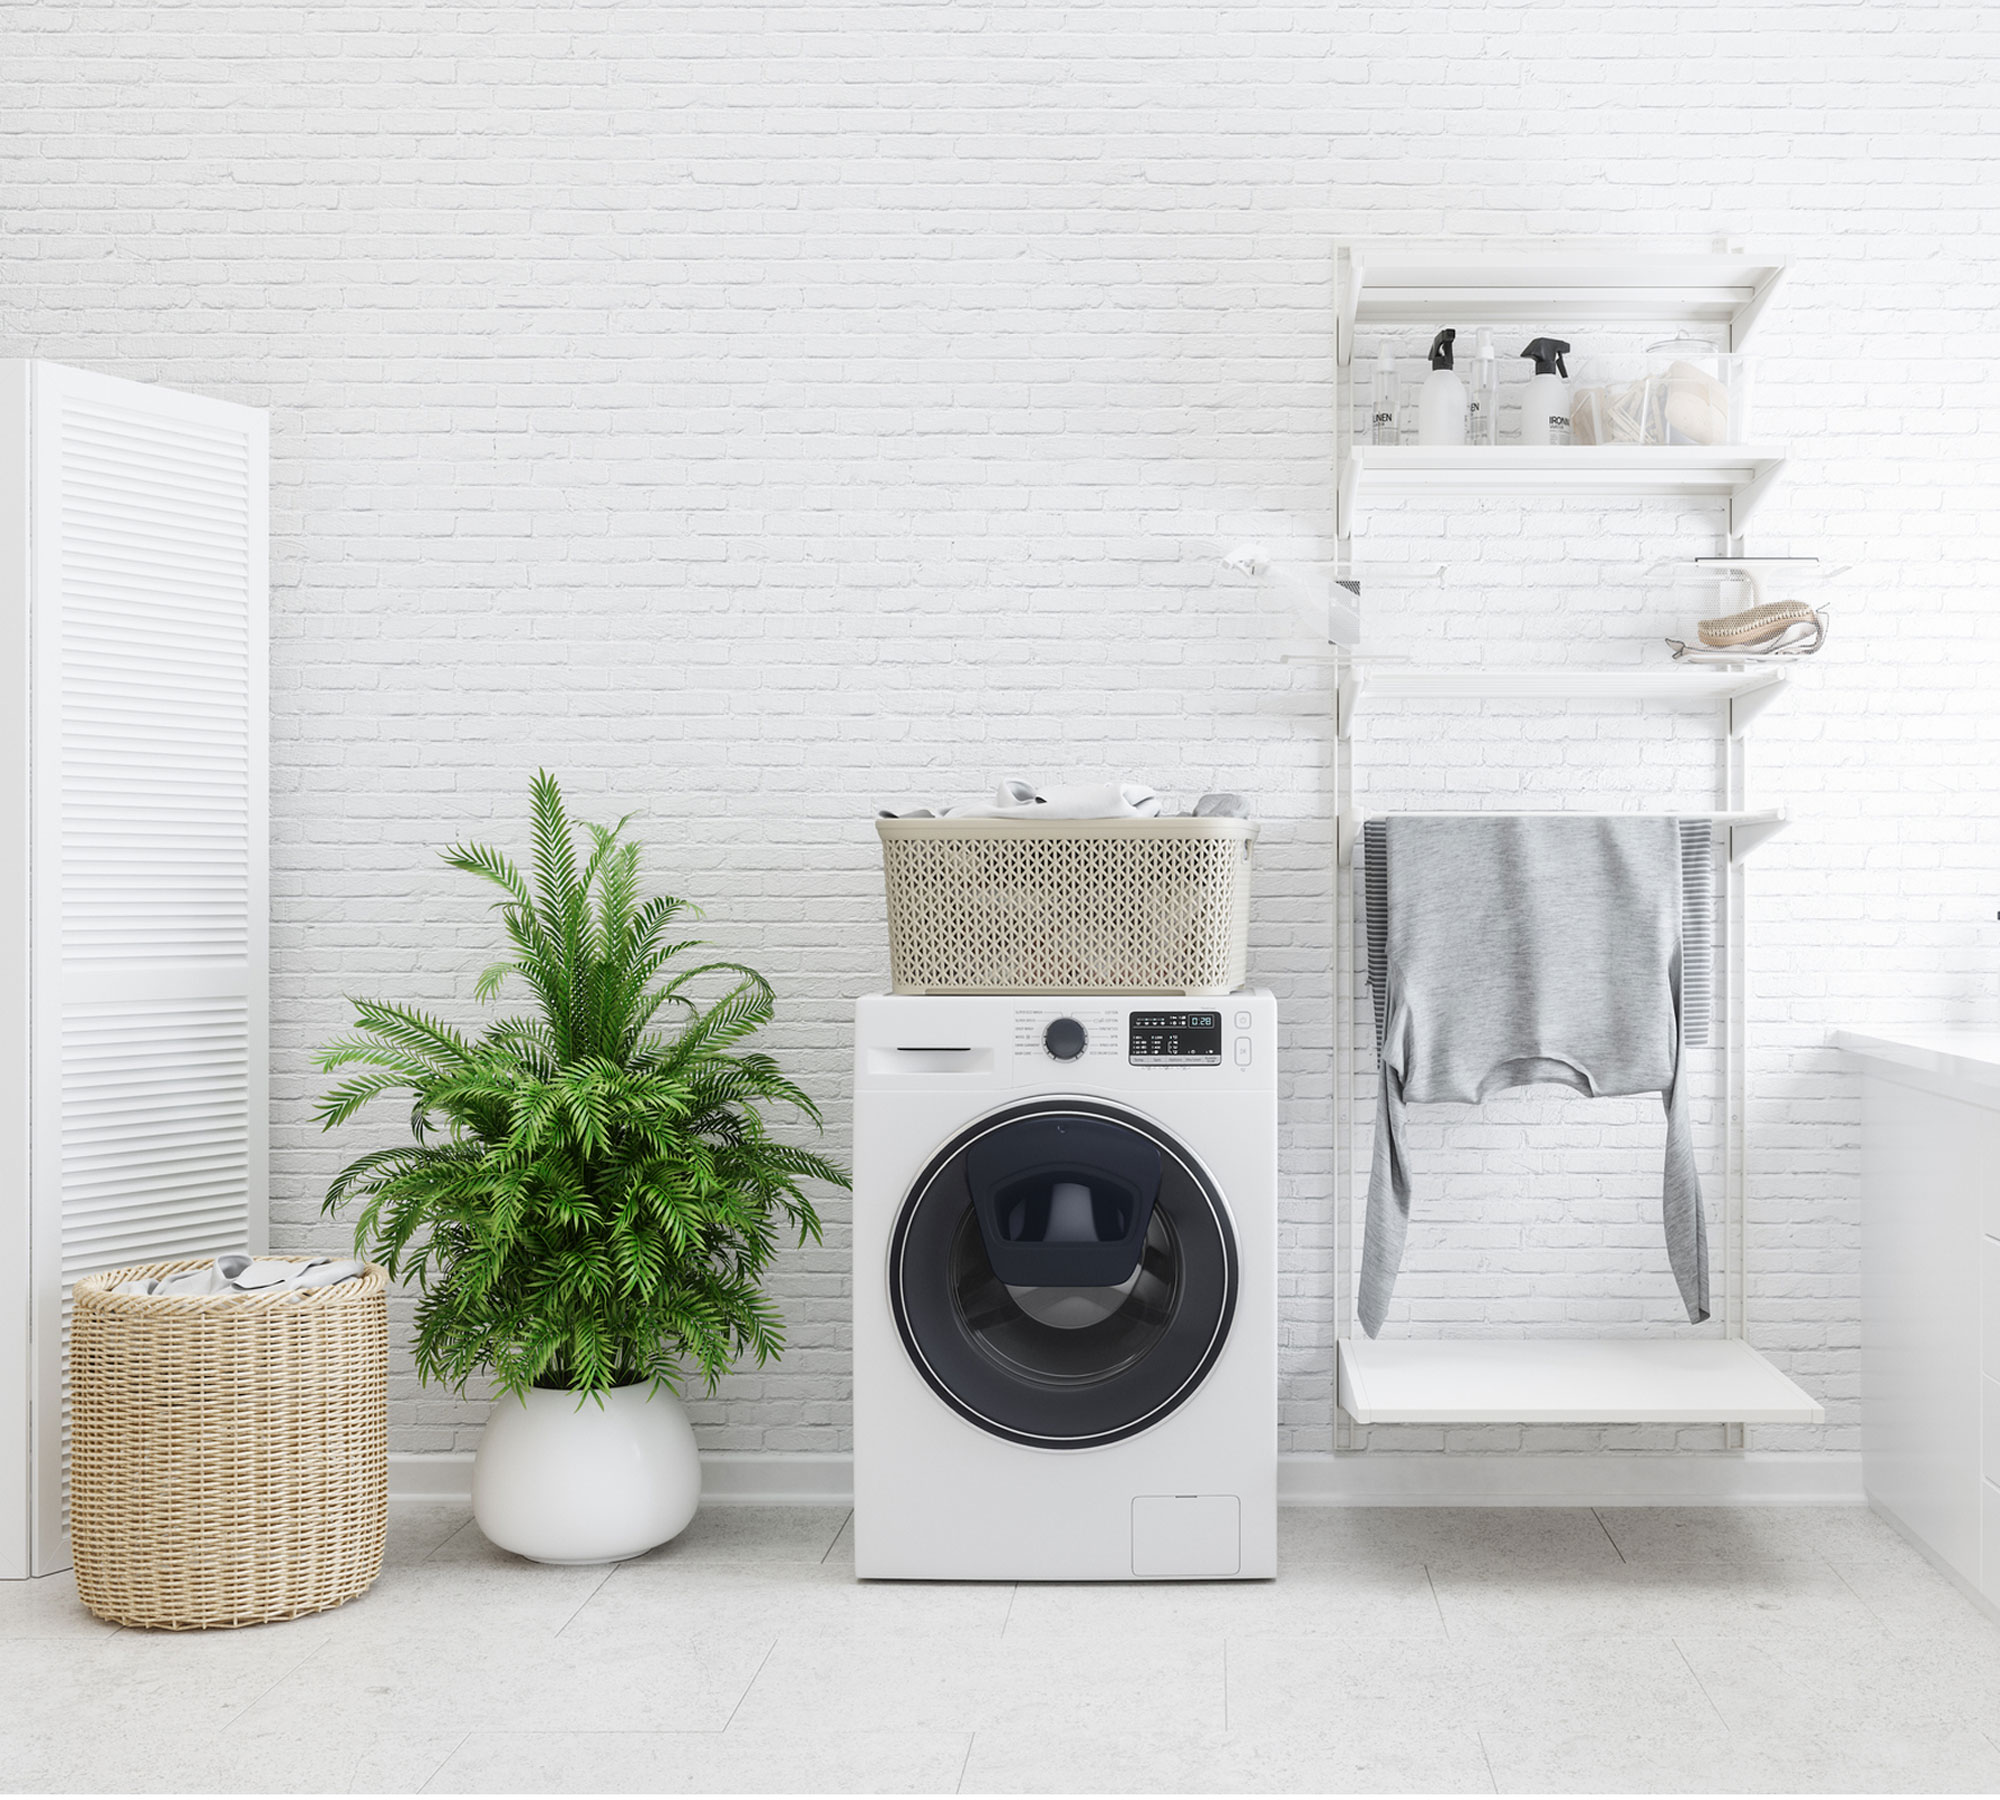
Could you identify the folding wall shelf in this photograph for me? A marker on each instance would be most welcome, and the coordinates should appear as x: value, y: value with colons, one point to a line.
x: 1665, y: 1380
x: 1554, y: 1381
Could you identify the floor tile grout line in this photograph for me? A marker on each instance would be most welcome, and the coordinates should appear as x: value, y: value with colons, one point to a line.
x: 1840, y: 1576
x: 277, y: 1682
x: 449, y: 1538
x: 964, y: 1762
x: 1225, y: 1684
x: 1681, y: 1651
x: 444, y: 1762
x: 770, y: 1650
x: 846, y: 1520
x: 1437, y: 1605
x: 1597, y: 1513
x: 1007, y: 1618
x: 1486, y: 1756
x: 577, y: 1610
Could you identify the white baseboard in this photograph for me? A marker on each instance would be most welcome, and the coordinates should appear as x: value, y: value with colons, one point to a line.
x: 424, y: 1475
x: 1404, y: 1478
x: 1362, y: 1478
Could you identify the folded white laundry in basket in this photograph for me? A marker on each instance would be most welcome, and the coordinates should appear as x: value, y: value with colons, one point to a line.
x: 237, y: 1272
x: 1018, y: 799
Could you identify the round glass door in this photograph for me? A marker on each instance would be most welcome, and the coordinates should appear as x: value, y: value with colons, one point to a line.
x: 1063, y: 1274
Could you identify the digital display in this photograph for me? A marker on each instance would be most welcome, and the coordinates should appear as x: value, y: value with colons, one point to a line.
x: 1176, y: 1037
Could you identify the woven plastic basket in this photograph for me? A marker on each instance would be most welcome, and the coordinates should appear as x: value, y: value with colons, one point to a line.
x: 1099, y: 906
x: 228, y: 1454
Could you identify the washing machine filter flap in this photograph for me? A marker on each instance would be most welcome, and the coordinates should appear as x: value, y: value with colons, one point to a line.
x: 1063, y: 1202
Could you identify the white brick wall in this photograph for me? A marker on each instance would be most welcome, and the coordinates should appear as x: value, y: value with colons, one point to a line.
x: 753, y: 411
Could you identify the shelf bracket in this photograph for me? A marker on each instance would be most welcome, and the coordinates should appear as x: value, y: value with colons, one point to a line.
x: 1747, y: 707
x: 1347, y: 700
x: 1748, y: 837
x: 1746, y: 499
x: 1748, y: 314
x: 1347, y: 492
x: 1349, y: 305
x: 1343, y: 615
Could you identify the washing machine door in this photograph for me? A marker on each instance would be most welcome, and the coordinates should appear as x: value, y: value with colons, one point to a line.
x: 1117, y: 1277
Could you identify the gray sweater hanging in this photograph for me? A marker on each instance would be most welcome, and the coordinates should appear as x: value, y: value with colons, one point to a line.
x: 1519, y: 949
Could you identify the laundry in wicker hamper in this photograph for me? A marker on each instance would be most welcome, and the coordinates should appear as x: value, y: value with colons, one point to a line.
x: 237, y: 1272
x: 1087, y: 906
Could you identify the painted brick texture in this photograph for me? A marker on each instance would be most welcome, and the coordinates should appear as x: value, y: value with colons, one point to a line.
x: 754, y: 412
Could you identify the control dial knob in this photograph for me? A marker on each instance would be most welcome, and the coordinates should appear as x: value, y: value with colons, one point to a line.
x: 1065, y: 1039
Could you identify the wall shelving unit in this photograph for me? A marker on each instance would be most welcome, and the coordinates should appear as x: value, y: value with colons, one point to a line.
x: 1706, y: 1378
x: 1720, y: 293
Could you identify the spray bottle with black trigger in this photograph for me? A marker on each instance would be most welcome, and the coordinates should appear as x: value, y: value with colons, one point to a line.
x: 1441, y: 400
x: 1545, y: 408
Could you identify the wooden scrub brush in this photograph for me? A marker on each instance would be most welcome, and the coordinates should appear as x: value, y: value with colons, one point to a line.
x: 1753, y: 627
x: 1776, y: 628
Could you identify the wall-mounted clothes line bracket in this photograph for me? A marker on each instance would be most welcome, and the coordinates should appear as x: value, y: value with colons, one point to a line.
x: 1742, y: 832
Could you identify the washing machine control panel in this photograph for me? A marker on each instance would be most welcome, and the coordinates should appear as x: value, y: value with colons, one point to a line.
x: 1182, y: 1039
x: 1080, y: 1035
x: 1094, y: 1036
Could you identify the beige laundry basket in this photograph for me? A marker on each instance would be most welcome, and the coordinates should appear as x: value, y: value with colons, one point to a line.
x: 228, y: 1454
x: 1096, y: 906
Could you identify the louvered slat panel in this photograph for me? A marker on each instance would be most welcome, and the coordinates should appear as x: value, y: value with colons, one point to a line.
x: 119, y: 1159
x: 148, y: 772
x: 151, y: 507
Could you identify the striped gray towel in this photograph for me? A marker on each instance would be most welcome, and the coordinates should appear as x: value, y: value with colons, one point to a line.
x: 1697, y: 925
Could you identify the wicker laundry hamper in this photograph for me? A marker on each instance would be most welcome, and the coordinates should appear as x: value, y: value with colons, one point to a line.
x: 228, y: 1453
x: 1089, y: 906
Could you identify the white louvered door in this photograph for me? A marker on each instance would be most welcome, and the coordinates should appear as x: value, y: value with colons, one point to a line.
x: 148, y: 596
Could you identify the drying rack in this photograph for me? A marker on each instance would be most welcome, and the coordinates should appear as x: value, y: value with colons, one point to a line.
x: 1668, y: 1380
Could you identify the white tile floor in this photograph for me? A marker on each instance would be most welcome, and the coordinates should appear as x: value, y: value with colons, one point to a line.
x: 1541, y: 1651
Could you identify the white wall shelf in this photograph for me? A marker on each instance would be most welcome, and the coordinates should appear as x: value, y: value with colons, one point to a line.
x: 1745, y: 691
x: 1421, y: 283
x: 1566, y: 1381
x: 1740, y: 475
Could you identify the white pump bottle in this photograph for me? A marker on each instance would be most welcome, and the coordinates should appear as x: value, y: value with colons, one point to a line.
x: 1441, y: 403
x: 1382, y: 407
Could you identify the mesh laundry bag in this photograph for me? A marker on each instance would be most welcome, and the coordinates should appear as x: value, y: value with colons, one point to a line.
x: 1090, y: 906
x: 228, y: 1453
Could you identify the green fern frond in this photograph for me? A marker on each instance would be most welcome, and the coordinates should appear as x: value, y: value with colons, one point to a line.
x: 587, y: 1197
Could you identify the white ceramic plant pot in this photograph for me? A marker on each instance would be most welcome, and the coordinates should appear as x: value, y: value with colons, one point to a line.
x: 564, y: 1483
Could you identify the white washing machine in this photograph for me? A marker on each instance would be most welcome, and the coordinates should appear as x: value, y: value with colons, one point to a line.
x: 1065, y: 1333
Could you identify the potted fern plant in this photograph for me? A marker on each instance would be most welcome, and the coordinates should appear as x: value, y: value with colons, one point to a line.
x: 590, y: 1193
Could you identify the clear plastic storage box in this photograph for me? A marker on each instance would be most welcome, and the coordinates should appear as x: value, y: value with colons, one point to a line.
x: 1684, y: 391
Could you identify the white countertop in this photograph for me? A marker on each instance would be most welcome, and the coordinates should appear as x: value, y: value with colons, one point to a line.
x: 1961, y: 1055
